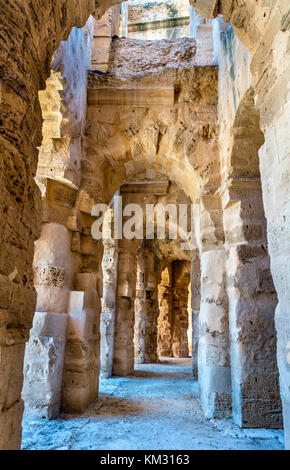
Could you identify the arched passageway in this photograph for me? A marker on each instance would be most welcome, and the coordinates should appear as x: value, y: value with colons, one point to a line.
x: 166, y: 110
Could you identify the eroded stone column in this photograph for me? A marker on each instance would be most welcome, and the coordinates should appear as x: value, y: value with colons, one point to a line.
x: 214, y: 372
x: 107, y: 324
x: 180, y: 281
x: 195, y: 308
x: 272, y: 100
x: 252, y: 302
x: 146, y: 309
x: 165, y: 313
x: 44, y: 355
x: 140, y: 310
x: 123, y: 362
x: 43, y: 365
x: 151, y: 304
x: 82, y: 352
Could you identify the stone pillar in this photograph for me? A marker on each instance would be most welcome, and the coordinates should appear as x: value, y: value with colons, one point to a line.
x: 252, y: 303
x: 82, y: 352
x: 214, y: 371
x: 123, y: 362
x: 140, y: 310
x: 270, y: 51
x: 151, y: 303
x: 146, y: 309
x: 195, y: 307
x: 44, y: 355
x: 20, y: 226
x: 164, y: 347
x: 107, y: 324
x: 180, y: 281
x: 43, y: 365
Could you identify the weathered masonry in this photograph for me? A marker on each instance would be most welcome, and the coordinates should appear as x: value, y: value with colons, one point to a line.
x: 168, y: 103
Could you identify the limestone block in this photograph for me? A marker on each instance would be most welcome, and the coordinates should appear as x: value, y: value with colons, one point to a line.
x: 134, y: 97
x: 49, y: 275
x: 123, y: 362
x: 107, y: 325
x: 81, y: 365
x: 53, y: 299
x: 43, y: 365
x: 49, y: 324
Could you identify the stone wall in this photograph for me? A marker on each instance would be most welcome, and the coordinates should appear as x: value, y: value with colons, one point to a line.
x: 149, y: 125
x: 64, y: 258
x: 264, y: 29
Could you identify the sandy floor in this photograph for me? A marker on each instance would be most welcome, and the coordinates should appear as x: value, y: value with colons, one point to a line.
x: 155, y: 409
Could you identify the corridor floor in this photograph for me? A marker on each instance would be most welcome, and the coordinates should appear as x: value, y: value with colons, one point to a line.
x: 154, y: 409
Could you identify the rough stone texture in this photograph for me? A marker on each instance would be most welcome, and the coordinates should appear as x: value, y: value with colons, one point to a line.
x: 107, y: 324
x: 146, y: 309
x: 195, y: 307
x: 140, y: 310
x: 156, y: 110
x: 82, y: 355
x: 214, y: 372
x: 251, y: 292
x: 139, y: 104
x: 104, y: 29
x: 265, y: 31
x: 123, y: 358
x: 63, y: 106
x: 43, y: 365
x: 123, y: 362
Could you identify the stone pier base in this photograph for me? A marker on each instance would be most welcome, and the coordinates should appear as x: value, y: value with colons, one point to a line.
x: 43, y: 365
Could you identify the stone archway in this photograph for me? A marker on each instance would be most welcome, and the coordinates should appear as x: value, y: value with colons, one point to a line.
x: 28, y: 47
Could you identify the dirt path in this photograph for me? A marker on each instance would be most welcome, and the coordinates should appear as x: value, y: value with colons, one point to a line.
x: 157, y: 408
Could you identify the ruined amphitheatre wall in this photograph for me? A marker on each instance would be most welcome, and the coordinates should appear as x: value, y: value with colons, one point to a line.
x: 264, y: 29
x: 64, y: 107
x: 31, y: 33
x: 251, y: 293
